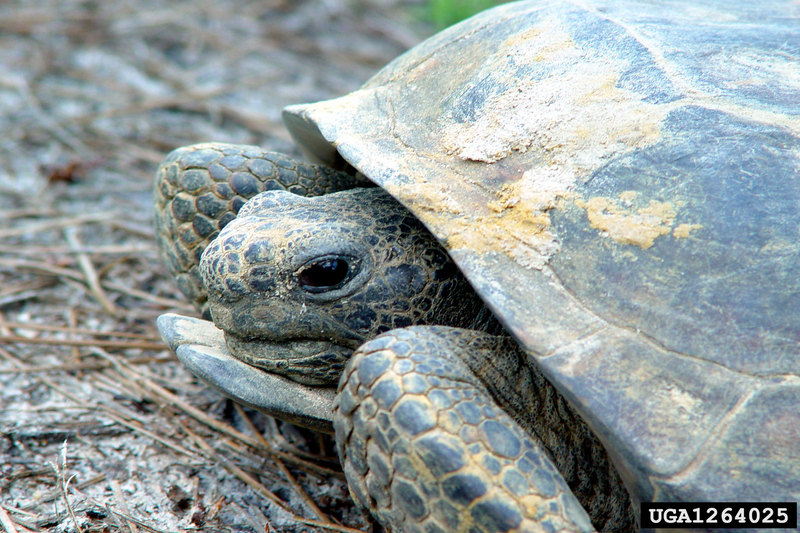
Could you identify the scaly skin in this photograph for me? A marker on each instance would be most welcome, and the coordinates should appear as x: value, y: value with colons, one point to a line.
x: 437, y: 428
x: 200, y: 188
x: 425, y: 447
x: 475, y: 421
x: 398, y: 276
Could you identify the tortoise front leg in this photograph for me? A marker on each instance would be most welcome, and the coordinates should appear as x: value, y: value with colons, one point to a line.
x: 425, y: 448
x: 200, y: 188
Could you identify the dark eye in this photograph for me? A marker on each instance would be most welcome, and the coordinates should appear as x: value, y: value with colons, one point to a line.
x: 326, y: 274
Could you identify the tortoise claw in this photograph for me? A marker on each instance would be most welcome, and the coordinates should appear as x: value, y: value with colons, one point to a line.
x: 201, y: 347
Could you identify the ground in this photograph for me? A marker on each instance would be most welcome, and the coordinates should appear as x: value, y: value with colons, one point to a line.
x: 101, y: 429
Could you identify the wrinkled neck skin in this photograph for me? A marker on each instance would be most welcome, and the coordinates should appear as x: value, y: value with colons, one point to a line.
x: 298, y: 283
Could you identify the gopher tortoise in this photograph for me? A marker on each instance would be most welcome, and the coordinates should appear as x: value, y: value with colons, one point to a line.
x: 575, y: 288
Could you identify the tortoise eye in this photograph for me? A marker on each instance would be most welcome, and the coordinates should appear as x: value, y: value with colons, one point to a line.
x: 326, y: 274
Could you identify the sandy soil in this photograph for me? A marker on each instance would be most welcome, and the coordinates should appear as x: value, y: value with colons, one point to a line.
x: 101, y: 429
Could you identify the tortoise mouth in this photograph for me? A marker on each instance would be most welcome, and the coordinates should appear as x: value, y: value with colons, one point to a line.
x: 306, y: 361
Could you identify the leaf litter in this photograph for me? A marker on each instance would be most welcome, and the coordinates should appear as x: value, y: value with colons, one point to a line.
x: 101, y: 428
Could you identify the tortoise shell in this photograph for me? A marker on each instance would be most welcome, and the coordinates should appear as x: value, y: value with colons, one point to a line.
x: 620, y: 183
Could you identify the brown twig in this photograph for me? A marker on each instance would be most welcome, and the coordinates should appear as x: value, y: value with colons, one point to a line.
x: 25, y: 264
x: 92, y: 279
x: 94, y: 250
x: 72, y: 367
x: 63, y: 484
x: 55, y: 223
x: 139, y: 230
x: 288, y: 475
x: 259, y: 488
x: 120, y: 419
x: 56, y: 493
x: 171, y: 303
x: 236, y: 471
x: 226, y: 429
x: 118, y: 345
x: 121, y: 502
x: 76, y: 331
x: 118, y: 514
x: 6, y: 522
x: 114, y: 415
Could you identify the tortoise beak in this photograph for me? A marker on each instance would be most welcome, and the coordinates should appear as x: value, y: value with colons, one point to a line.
x: 201, y: 348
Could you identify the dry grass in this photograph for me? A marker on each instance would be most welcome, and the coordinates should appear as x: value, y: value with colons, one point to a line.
x: 101, y: 429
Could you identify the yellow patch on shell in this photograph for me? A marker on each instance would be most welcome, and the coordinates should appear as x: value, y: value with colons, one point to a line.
x: 682, y: 231
x: 568, y: 123
x: 621, y: 221
x: 517, y: 224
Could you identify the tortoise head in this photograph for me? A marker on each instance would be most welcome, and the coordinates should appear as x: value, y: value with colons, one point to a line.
x: 298, y: 283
